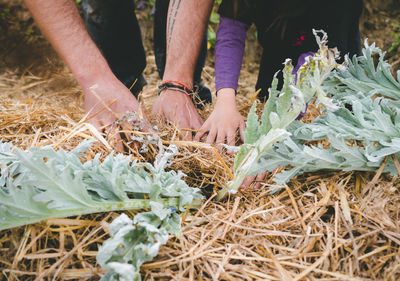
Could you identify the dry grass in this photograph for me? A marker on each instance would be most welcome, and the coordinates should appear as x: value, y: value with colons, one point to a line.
x: 331, y: 226
x: 327, y: 226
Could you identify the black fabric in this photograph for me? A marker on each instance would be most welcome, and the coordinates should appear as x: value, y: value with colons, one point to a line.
x: 263, y: 11
x: 116, y: 32
x: 285, y: 29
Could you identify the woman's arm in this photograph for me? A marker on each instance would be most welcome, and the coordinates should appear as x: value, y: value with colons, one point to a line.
x: 225, y: 120
x: 229, y: 50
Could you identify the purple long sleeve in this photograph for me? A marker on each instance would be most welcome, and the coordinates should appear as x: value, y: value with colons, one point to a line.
x: 229, y: 50
x: 301, y: 60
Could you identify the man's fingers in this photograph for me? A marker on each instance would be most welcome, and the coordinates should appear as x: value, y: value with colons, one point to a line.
x: 211, y: 135
x: 112, y: 132
x: 247, y: 182
x: 96, y: 123
x: 128, y: 136
x: 156, y: 110
x: 186, y: 135
x: 146, y: 122
x: 184, y: 127
x: 259, y: 180
x: 198, y: 122
x: 119, y: 143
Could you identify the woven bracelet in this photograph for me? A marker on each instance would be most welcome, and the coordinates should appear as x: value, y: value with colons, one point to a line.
x: 175, y: 85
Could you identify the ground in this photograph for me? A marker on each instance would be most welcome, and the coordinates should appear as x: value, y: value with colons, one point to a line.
x: 298, y: 233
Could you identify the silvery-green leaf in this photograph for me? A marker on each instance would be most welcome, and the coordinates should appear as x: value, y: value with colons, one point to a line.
x: 281, y: 109
x: 251, y: 134
x: 43, y: 183
x: 159, y: 210
x: 122, y: 272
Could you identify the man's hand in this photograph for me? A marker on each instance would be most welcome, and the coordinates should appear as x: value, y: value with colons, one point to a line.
x: 224, y: 121
x: 107, y: 101
x: 178, y: 108
x: 106, y: 98
x: 255, y: 180
x: 187, y: 23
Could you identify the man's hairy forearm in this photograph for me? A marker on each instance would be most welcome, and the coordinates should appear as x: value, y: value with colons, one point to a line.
x: 60, y: 22
x: 187, y: 21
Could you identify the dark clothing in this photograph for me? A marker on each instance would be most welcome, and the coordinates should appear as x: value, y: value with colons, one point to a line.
x: 284, y: 29
x: 115, y: 30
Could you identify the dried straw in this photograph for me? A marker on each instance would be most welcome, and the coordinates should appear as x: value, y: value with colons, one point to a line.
x: 328, y: 226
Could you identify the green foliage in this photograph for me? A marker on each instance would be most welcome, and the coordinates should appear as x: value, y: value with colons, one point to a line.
x: 211, y: 37
x: 361, y: 134
x: 5, y: 13
x: 281, y: 109
x: 136, y: 241
x: 396, y: 43
x: 15, y: 28
x: 362, y: 75
x: 44, y: 183
x: 214, y: 21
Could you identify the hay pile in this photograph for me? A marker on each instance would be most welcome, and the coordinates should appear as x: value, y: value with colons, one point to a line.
x: 332, y: 226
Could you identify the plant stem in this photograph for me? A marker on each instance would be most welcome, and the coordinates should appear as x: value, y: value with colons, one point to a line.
x: 133, y: 204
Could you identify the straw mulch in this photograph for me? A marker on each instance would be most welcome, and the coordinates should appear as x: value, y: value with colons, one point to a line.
x: 332, y: 226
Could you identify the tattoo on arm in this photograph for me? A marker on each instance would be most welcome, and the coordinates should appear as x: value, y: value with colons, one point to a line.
x: 171, y: 19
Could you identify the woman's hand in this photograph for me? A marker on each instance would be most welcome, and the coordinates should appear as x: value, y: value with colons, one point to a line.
x: 225, y: 120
